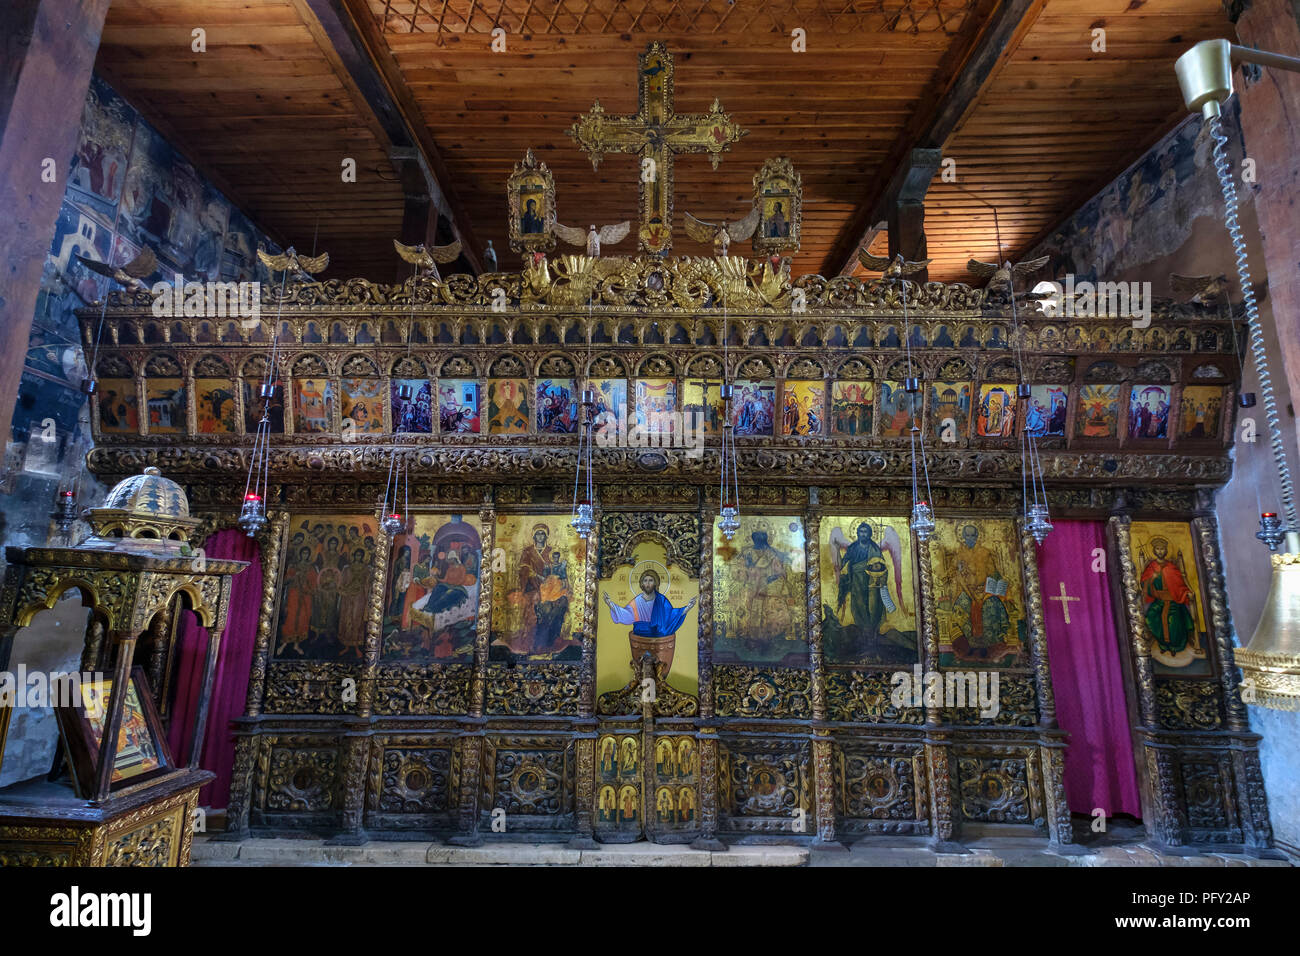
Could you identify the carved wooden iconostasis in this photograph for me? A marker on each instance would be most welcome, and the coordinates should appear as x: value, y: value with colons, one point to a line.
x: 472, y: 663
x: 480, y: 670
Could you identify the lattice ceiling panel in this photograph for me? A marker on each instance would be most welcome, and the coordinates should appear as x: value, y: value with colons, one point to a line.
x: 669, y: 17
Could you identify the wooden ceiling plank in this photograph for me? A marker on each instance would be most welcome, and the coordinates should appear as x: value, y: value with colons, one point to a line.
x: 978, y: 59
x: 347, y: 27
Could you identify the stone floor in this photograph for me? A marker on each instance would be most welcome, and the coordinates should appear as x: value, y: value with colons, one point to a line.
x: 993, y: 851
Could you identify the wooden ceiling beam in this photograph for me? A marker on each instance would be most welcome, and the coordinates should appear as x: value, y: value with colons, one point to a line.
x: 961, y: 78
x: 372, y: 76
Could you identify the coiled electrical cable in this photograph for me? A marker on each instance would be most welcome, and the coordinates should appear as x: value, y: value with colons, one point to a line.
x: 1257, y: 349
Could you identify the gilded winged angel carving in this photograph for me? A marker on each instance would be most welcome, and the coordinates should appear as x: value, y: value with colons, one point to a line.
x: 723, y: 234
x: 290, y: 261
x: 1003, y: 274
x: 892, y: 268
x: 427, y: 258
x: 594, y: 238
x: 129, y: 275
x: 1207, y: 290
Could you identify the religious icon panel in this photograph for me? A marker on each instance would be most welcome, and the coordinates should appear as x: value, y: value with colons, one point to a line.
x: 656, y: 404
x: 868, y: 597
x: 255, y: 406
x: 648, y: 606
x: 412, y: 406
x: 165, y: 398
x: 214, y: 406
x: 1098, y: 413
x: 978, y: 597
x: 754, y: 408
x: 1173, y: 613
x: 537, y: 599
x: 1148, y: 411
x: 996, y: 417
x: 898, y: 410
x: 803, y: 406
x: 1045, y: 413
x: 457, y: 406
x: 508, y: 406
x: 362, y: 406
x: 432, y: 598
x: 1201, y: 412
x: 557, y: 405
x: 759, y: 596
x: 118, y: 411
x: 703, y: 400
x: 852, y: 408
x: 611, y: 404
x: 949, y: 410
x: 313, y: 405
x: 326, y: 587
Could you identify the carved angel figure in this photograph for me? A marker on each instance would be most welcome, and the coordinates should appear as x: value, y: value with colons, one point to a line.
x: 426, y: 258
x: 289, y: 260
x: 130, y: 275
x: 892, y: 268
x: 1002, y: 274
x: 593, y: 238
x: 1207, y: 290
x: 723, y: 234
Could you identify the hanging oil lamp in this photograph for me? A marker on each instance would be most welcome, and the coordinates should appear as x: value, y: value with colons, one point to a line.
x: 584, y: 519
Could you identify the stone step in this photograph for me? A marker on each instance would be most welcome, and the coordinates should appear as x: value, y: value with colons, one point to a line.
x: 263, y: 851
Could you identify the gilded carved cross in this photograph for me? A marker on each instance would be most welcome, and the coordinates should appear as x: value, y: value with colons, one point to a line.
x: 656, y: 133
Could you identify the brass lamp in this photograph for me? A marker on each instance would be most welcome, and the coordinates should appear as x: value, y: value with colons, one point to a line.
x: 1270, y: 663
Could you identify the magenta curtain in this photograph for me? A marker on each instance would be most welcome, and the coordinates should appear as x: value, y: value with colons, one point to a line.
x: 230, y: 684
x: 1087, y: 673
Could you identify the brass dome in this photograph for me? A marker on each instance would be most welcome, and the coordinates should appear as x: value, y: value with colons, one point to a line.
x: 149, y: 494
x: 144, y: 512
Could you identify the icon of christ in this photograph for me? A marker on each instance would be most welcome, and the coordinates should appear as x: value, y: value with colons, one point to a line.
x: 650, y: 613
x: 654, y: 621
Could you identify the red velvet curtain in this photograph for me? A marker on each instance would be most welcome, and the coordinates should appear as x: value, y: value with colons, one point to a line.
x: 1087, y: 674
x: 230, y: 684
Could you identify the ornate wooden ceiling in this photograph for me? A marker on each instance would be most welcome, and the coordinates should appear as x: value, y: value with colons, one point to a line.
x: 287, y: 88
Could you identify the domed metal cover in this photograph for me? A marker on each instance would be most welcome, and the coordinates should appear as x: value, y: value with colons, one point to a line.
x: 149, y: 494
x: 146, y: 512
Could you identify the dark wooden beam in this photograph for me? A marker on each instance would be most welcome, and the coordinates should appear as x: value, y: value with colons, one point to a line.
x: 376, y: 81
x: 997, y: 26
x: 48, y: 49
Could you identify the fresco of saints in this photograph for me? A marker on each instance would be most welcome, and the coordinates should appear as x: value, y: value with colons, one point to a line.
x: 326, y: 588
x: 1170, y: 613
x: 607, y: 801
x: 685, y: 805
